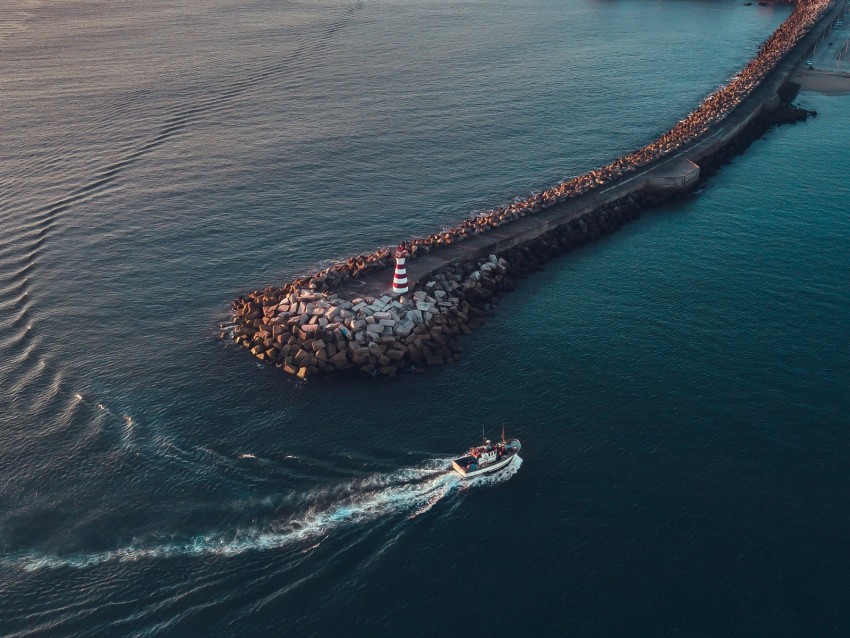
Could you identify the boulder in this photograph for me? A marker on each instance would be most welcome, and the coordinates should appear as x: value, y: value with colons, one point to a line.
x: 339, y: 360
x: 432, y: 359
x: 404, y: 327
x: 395, y: 355
x: 301, y: 358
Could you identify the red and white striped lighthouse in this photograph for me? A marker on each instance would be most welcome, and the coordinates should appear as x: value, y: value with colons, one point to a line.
x: 400, y: 275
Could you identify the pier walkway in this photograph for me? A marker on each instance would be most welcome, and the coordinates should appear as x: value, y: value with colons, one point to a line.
x: 765, y: 96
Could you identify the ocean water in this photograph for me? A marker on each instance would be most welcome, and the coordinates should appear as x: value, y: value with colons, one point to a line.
x: 680, y: 387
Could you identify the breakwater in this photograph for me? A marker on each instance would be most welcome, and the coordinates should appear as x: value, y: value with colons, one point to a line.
x: 344, y: 318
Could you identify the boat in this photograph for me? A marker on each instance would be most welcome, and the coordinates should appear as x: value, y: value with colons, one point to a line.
x: 486, y: 458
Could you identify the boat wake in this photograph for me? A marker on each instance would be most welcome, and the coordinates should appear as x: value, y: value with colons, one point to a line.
x: 405, y: 494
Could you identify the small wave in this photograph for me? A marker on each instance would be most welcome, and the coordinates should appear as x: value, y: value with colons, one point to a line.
x: 408, y: 497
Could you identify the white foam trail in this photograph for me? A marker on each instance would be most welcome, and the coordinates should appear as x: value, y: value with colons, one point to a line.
x: 412, y: 491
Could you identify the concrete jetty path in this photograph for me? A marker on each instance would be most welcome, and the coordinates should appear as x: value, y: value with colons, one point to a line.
x: 765, y: 97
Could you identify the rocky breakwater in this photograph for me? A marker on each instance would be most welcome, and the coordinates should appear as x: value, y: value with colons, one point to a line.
x: 308, y: 333
x: 307, y: 327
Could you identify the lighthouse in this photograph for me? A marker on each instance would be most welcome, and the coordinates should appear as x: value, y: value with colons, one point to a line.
x: 400, y: 275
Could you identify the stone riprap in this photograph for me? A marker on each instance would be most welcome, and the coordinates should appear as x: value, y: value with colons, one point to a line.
x: 314, y: 325
x: 306, y: 332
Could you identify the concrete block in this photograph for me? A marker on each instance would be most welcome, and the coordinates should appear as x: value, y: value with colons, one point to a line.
x: 404, y: 327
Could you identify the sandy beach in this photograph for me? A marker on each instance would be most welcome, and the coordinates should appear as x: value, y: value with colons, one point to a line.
x: 823, y: 81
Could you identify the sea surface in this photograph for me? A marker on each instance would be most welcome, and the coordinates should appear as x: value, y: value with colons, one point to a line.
x: 680, y: 388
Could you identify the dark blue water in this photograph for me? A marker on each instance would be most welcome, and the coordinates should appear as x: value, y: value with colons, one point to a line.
x: 680, y: 388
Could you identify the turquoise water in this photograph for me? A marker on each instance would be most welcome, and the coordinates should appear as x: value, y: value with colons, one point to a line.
x: 679, y: 387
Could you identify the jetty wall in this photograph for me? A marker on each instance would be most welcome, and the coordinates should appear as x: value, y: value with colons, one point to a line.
x: 345, y: 318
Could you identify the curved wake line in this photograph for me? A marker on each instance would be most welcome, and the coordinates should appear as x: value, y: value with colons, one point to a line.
x: 410, y: 492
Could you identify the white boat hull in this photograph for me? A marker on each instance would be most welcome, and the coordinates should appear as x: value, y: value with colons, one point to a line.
x: 495, y: 467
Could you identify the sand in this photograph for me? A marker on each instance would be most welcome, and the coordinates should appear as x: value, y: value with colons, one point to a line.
x: 830, y: 83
